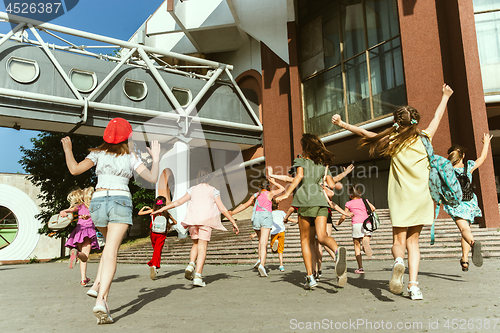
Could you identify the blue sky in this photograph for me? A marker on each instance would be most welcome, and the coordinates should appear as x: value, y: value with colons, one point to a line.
x: 111, y: 18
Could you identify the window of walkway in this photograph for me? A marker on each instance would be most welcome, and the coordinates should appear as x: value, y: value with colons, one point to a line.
x: 351, y: 61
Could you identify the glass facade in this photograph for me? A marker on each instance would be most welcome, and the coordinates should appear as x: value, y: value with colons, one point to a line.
x: 487, y: 17
x: 351, y: 61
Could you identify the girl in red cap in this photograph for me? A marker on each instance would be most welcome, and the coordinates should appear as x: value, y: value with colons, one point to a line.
x: 111, y: 204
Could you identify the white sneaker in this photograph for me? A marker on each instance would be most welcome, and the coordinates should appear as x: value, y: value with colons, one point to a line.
x: 188, y: 273
x: 310, y: 283
x: 275, y: 246
x: 152, y: 272
x: 198, y: 281
x: 396, y: 281
x: 341, y: 264
x: 414, y: 292
x: 262, y: 271
x: 256, y: 266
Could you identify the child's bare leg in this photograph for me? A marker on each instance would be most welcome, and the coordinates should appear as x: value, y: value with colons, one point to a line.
x: 202, y: 254
x: 304, y: 227
x: 313, y: 247
x: 97, y: 281
x: 263, y: 240
x: 194, y: 251
x: 413, y: 252
x: 319, y: 254
x: 323, y: 238
x: 280, y: 256
x: 467, y: 238
x: 357, y: 251
x: 399, y: 242
x: 258, y: 246
x: 115, y: 234
x: 85, y: 249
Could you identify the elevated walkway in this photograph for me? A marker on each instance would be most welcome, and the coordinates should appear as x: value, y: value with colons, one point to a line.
x: 227, y: 248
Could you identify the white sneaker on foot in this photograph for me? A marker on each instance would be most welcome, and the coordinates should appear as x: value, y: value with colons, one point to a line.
x: 341, y: 264
x: 310, y: 283
x: 256, y: 266
x: 152, y: 272
x: 414, y: 292
x: 275, y: 246
x: 262, y: 271
x: 396, y: 281
x: 198, y: 281
x: 188, y: 273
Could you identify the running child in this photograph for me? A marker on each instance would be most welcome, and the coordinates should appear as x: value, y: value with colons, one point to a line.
x: 359, y: 234
x: 203, y: 215
x: 410, y: 202
x: 84, y: 237
x: 313, y: 207
x: 157, y: 239
x: 262, y: 218
x: 464, y: 214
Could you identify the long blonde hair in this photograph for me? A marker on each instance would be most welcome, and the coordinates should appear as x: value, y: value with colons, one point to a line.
x: 78, y: 197
x: 403, y: 132
x: 118, y: 149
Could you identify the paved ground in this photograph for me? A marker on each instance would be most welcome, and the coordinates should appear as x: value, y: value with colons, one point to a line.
x: 48, y: 298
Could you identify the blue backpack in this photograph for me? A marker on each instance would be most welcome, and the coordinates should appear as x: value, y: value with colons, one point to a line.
x: 443, y: 183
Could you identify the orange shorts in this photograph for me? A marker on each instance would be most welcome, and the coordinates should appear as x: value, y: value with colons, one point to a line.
x: 200, y: 232
x: 281, y: 241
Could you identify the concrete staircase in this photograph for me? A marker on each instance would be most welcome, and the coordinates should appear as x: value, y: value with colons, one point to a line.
x: 227, y: 248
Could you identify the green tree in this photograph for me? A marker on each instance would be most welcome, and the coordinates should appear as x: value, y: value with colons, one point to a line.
x: 46, y: 165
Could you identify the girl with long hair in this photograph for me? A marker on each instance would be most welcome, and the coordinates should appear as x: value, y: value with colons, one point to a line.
x: 410, y: 202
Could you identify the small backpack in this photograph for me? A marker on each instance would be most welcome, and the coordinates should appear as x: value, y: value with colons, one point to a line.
x: 465, y: 184
x: 443, y: 183
x: 372, y: 222
x: 159, y: 224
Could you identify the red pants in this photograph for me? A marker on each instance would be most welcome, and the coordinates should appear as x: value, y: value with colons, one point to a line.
x: 157, y: 241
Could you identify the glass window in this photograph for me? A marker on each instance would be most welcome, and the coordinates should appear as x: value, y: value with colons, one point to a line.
x: 23, y: 70
x: 487, y: 19
x: 8, y: 226
x: 134, y: 89
x: 355, y: 68
x: 183, y: 96
x: 84, y: 81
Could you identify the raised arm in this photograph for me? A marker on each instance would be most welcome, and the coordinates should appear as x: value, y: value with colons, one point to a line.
x: 336, y: 120
x: 244, y: 206
x: 284, y: 178
x: 280, y: 188
x: 296, y: 181
x: 344, y: 173
x: 173, y: 204
x: 226, y: 213
x: 146, y: 210
x: 433, y: 126
x: 65, y: 212
x: 74, y: 167
x: 484, y: 153
x: 151, y: 175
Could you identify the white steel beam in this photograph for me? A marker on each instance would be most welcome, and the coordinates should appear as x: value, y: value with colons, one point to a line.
x: 203, y: 91
x: 108, y: 40
x: 161, y: 82
x: 56, y: 63
x: 11, y: 33
x: 244, y: 99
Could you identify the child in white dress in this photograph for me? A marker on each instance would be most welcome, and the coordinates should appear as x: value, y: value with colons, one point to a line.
x: 203, y: 215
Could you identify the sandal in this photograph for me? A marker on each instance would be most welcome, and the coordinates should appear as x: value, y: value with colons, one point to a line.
x: 477, y: 256
x: 359, y: 271
x: 465, y: 265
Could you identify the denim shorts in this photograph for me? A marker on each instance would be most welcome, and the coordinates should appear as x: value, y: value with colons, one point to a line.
x: 262, y: 219
x: 111, y: 209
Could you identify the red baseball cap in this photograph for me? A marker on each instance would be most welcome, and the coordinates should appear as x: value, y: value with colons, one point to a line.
x: 118, y: 130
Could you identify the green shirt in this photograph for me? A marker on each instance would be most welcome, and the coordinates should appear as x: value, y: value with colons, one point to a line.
x: 309, y: 193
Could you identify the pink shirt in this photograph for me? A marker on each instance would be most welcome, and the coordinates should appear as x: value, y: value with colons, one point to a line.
x: 264, y: 202
x: 358, y: 208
